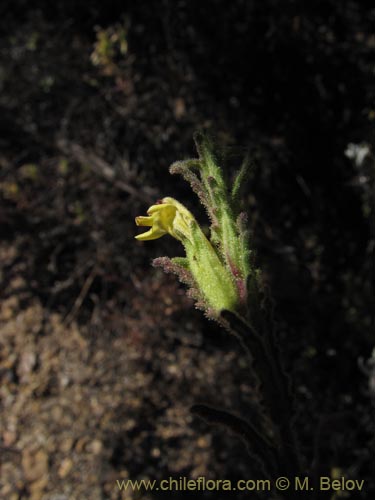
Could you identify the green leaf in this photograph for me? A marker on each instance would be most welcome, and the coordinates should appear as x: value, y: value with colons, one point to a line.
x: 241, y: 178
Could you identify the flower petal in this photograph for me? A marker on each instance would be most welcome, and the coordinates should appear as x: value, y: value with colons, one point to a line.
x: 144, y: 221
x: 151, y: 234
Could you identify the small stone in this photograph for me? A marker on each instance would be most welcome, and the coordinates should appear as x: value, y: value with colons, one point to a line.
x: 203, y: 442
x: 95, y: 447
x: 35, y: 464
x: 80, y: 445
x: 65, y: 468
x: 26, y: 365
x: 179, y: 107
x: 9, y: 438
x: 37, y: 488
x: 67, y: 445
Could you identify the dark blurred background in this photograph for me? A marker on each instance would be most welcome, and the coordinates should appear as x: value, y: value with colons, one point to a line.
x: 102, y: 355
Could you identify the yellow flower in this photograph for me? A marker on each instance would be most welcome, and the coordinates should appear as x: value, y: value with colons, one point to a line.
x: 168, y: 216
x: 208, y: 273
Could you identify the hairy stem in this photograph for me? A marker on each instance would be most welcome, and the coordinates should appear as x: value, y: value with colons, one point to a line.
x: 274, y: 390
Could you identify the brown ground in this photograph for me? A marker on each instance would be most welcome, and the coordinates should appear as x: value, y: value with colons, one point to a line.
x: 84, y: 405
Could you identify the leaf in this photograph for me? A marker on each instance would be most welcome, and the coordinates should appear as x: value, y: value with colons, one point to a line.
x: 241, y: 178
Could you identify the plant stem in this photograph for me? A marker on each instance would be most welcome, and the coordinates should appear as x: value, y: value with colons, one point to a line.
x: 274, y: 389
